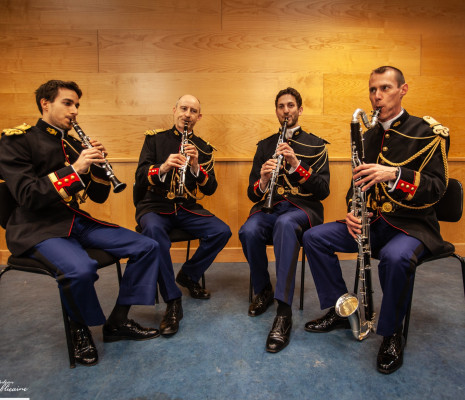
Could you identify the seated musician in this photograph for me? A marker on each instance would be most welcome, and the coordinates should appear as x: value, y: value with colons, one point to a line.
x: 176, y: 168
x: 48, y: 173
x: 403, y: 175
x: 285, y: 206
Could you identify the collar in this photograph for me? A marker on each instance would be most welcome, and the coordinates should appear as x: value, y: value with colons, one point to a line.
x: 292, y: 132
x: 177, y: 133
x: 396, y: 121
x: 50, y: 129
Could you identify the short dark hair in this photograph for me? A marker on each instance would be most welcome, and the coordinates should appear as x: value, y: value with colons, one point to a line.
x: 399, y: 75
x: 292, y: 92
x: 49, y: 90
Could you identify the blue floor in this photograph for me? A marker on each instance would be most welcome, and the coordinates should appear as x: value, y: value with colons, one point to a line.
x: 219, y: 352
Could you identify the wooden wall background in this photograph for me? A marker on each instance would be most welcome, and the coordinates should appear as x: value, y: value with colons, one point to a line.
x: 134, y: 59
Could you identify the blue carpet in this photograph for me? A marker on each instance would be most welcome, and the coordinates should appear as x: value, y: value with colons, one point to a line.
x: 219, y: 352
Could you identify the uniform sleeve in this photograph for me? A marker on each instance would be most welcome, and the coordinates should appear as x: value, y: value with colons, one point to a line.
x: 29, y: 189
x: 312, y: 175
x: 253, y: 190
x: 206, y: 180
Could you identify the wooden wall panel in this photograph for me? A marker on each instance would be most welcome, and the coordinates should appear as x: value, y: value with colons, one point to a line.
x: 262, y: 52
x: 112, y: 14
x: 26, y: 50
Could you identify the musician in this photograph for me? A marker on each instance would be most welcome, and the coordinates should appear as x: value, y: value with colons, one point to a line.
x: 404, y: 174
x: 302, y: 183
x: 159, y: 210
x: 47, y: 171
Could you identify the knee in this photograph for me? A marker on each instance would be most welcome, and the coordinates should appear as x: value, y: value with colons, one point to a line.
x: 309, y: 237
x: 148, y: 245
x: 246, y: 231
x: 399, y: 259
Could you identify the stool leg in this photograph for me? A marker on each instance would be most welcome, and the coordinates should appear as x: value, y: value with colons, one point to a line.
x: 407, y: 315
x: 302, y: 281
x: 69, y: 342
x: 250, y: 289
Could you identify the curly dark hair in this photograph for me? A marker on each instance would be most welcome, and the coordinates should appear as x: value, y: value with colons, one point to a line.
x: 292, y: 92
x: 49, y: 90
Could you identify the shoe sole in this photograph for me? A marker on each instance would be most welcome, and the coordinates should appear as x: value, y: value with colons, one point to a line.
x: 277, y: 351
x: 109, y: 339
x: 194, y: 297
x: 329, y: 330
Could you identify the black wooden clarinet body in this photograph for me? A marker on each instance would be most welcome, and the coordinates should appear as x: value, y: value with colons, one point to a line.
x: 117, y: 185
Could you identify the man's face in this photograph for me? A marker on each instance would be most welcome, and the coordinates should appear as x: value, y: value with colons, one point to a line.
x: 62, y: 110
x: 386, y: 94
x: 287, y: 107
x: 186, y: 110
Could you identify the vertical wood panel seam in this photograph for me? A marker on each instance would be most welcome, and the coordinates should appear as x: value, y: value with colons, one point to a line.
x: 98, y: 51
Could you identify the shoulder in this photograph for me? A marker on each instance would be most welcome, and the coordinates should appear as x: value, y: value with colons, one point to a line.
x: 202, y: 143
x: 308, y: 137
x: 437, y: 127
x: 18, y: 130
x: 269, y: 140
x: 153, y: 132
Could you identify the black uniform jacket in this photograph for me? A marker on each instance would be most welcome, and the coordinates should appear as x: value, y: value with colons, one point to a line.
x: 407, y: 207
x: 307, y: 186
x: 35, y: 164
x: 151, y: 194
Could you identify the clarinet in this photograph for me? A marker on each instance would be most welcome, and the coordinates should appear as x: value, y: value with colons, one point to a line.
x: 117, y: 185
x: 348, y: 305
x: 180, y: 194
x: 268, y: 205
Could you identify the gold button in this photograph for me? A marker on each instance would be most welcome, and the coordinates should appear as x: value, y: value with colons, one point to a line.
x: 387, y: 136
x: 408, y: 186
x: 385, y: 148
x: 72, y: 176
x: 402, y: 184
x: 66, y: 180
x: 59, y: 184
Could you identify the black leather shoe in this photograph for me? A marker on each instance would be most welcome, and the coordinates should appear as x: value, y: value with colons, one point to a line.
x: 173, y: 314
x: 194, y: 288
x: 327, y: 323
x: 261, y: 302
x: 280, y: 333
x: 130, y: 330
x: 85, y: 351
x: 391, y: 353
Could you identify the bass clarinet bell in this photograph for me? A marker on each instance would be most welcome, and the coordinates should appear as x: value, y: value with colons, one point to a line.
x: 117, y: 185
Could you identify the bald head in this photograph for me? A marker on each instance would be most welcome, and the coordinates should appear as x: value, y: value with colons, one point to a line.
x: 187, y: 109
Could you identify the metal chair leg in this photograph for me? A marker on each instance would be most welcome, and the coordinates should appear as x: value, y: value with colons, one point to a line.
x: 69, y: 342
x: 302, y: 281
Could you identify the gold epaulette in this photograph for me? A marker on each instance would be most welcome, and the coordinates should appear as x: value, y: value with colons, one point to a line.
x: 213, y: 147
x: 438, y: 128
x: 152, y: 132
x: 19, y: 130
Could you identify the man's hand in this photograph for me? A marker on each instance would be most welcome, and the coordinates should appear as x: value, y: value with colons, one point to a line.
x: 371, y: 174
x: 288, y: 153
x: 265, y: 172
x: 87, y: 158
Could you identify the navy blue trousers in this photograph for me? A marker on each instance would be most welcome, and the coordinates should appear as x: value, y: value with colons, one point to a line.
x: 398, y: 256
x: 76, y: 272
x: 213, y: 234
x: 284, y: 227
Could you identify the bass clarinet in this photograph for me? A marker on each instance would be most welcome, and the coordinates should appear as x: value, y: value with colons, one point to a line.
x: 268, y: 205
x: 180, y: 193
x: 348, y: 305
x: 117, y: 185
